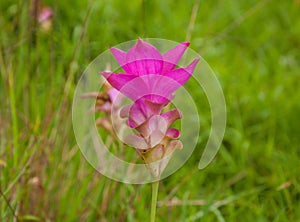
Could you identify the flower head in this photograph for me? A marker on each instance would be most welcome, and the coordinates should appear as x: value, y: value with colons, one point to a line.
x: 45, y: 14
x: 149, y: 80
x: 153, y: 72
x: 45, y: 18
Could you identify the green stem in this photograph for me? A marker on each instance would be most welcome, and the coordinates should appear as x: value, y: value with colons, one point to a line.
x: 13, y: 116
x: 154, y: 200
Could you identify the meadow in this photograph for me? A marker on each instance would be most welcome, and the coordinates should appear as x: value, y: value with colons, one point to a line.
x: 253, y: 46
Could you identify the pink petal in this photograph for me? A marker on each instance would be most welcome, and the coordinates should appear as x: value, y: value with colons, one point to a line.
x: 154, y: 129
x: 171, y: 116
x: 162, y: 100
x: 124, y: 112
x: 119, y: 55
x: 143, y: 58
x: 121, y: 58
x: 131, y: 90
x: 156, y: 137
x: 154, y: 123
x: 144, y: 67
x: 137, y: 114
x: 117, y: 80
x: 153, y: 108
x: 156, y: 88
x: 190, y: 68
x: 175, y: 145
x: 173, y: 133
x: 115, y: 97
x: 136, y: 141
x: 140, y: 111
x: 157, y: 123
x: 131, y: 123
x: 181, y: 75
x: 160, y: 88
x: 172, y: 57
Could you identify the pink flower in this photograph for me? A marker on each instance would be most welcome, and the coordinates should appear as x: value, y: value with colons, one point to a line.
x: 149, y: 80
x: 44, y: 18
x: 45, y: 14
x: 107, y: 102
x: 154, y: 72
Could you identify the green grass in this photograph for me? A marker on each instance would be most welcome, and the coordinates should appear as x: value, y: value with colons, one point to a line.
x: 253, y: 47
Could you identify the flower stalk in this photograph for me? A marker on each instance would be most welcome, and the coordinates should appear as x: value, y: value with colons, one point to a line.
x: 155, y: 186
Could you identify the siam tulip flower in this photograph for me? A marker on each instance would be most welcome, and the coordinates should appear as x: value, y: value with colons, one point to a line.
x: 149, y: 80
x: 146, y: 65
x: 107, y: 102
x: 45, y: 14
x: 45, y: 18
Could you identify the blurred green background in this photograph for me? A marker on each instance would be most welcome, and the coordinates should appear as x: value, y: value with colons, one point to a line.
x: 253, y: 47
